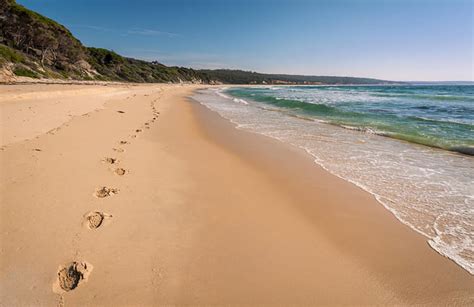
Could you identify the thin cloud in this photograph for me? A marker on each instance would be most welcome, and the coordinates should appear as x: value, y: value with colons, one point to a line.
x: 187, y: 59
x: 92, y: 27
x: 133, y: 31
x: 150, y: 32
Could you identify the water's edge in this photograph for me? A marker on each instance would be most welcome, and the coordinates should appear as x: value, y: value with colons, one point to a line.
x: 431, y: 241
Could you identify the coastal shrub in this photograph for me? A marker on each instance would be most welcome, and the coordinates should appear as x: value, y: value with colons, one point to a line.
x: 25, y: 72
x: 10, y: 55
x: 54, y: 75
x: 23, y: 12
x: 100, y: 56
x: 87, y: 78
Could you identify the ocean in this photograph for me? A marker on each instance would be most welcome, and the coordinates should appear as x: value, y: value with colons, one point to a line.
x: 410, y: 146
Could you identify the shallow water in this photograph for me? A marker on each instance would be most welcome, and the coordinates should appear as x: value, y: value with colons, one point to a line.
x: 437, y: 116
x: 427, y: 188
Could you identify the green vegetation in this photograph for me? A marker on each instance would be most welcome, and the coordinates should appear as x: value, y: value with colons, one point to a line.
x: 248, y: 77
x: 112, y: 66
x: 25, y: 72
x: 38, y: 39
x: 39, y: 42
x: 31, y: 15
x: 105, y: 57
x: 10, y: 54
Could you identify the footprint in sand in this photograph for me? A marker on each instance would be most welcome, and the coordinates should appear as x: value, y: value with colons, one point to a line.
x: 120, y: 171
x: 121, y: 112
x: 110, y: 160
x: 138, y: 130
x: 71, y: 276
x: 118, y: 149
x: 124, y: 142
x: 95, y: 219
x: 103, y: 192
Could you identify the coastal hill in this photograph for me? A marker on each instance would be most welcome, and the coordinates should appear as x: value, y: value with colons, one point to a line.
x: 34, y: 46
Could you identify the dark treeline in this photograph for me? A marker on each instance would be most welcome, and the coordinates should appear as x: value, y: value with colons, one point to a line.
x: 247, y: 77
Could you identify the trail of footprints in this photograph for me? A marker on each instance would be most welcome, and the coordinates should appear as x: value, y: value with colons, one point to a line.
x: 73, y: 274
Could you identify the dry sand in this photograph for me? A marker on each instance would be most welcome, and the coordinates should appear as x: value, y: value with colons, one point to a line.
x: 136, y: 195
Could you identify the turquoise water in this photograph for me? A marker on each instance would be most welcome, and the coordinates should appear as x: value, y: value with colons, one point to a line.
x: 402, y: 144
x: 437, y: 116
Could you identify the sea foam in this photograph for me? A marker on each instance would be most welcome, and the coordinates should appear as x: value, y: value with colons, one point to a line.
x: 429, y: 190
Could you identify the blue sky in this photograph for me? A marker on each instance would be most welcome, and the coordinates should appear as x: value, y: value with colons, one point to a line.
x: 388, y: 39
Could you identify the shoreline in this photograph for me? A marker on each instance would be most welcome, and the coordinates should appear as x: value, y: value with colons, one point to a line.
x: 372, y: 204
x: 324, y: 141
x: 376, y: 196
x: 204, y: 214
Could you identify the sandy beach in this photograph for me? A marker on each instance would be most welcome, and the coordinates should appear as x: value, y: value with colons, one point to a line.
x: 155, y: 200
